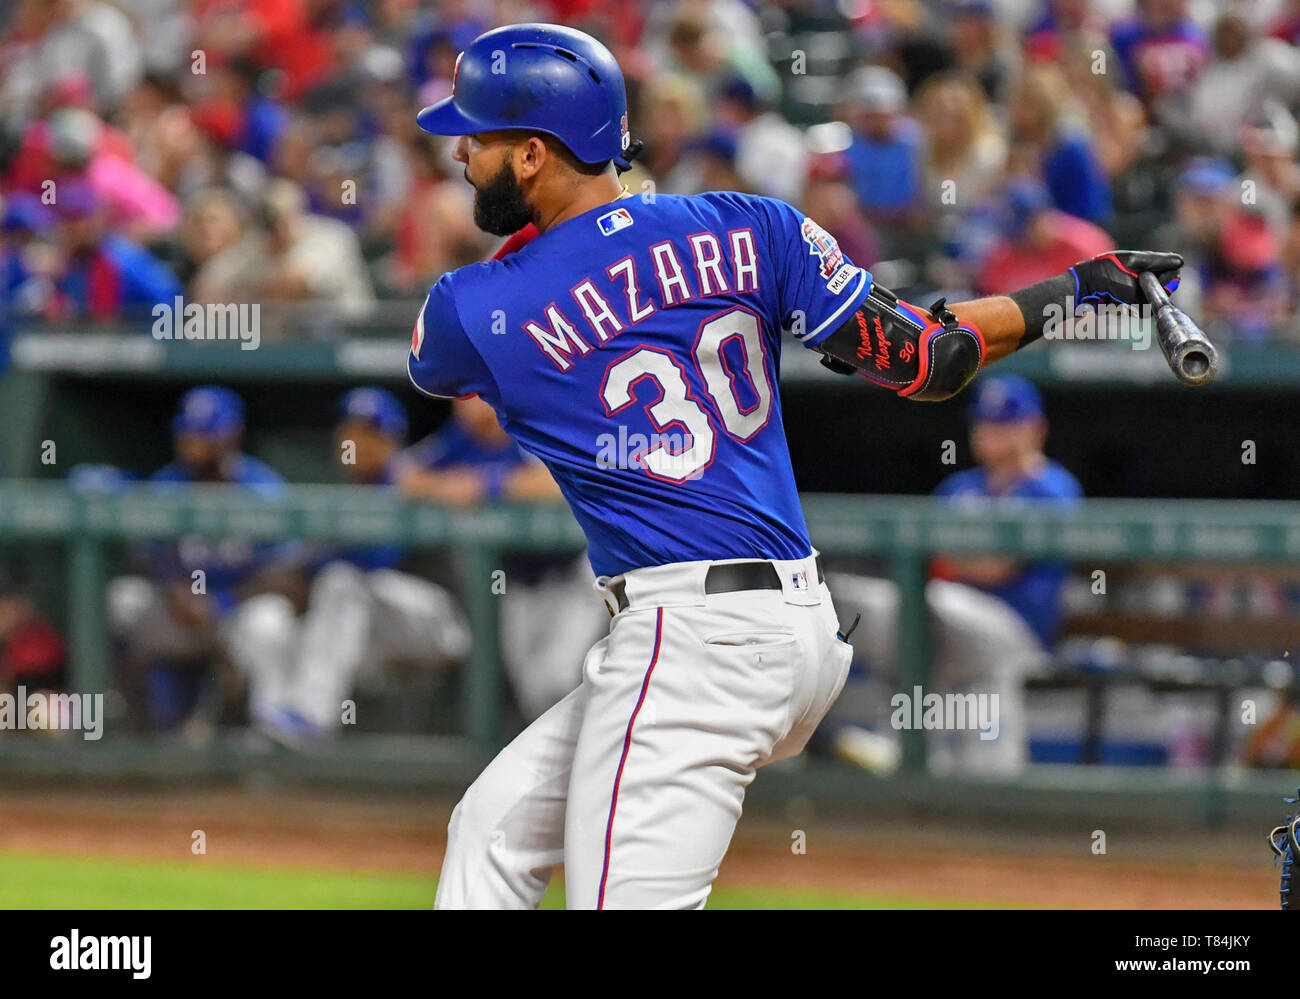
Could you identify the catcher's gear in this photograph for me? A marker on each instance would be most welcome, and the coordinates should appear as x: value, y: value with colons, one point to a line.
x: 544, y: 78
x: 1110, y: 278
x: 1285, y: 841
x: 922, y: 356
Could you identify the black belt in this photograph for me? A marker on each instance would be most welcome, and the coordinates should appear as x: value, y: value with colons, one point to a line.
x: 731, y: 577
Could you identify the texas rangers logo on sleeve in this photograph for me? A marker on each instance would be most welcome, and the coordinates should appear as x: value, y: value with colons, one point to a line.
x: 612, y: 222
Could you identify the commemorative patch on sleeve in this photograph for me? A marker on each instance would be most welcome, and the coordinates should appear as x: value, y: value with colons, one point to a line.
x: 830, y: 258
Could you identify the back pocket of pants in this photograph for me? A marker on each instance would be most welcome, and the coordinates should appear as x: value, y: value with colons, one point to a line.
x: 752, y: 640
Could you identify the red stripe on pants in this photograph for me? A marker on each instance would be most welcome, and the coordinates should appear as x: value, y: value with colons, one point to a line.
x: 627, y: 744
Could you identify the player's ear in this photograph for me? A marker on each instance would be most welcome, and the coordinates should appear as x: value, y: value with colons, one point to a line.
x: 530, y: 156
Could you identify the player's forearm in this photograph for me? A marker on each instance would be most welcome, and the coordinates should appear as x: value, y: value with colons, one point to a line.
x: 461, y: 487
x: 988, y: 571
x: 1013, y: 321
x: 928, y: 355
x: 531, y: 483
x: 1001, y: 322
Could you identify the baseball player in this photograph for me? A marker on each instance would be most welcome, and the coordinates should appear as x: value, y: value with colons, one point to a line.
x: 177, y: 616
x: 634, y: 346
x: 992, y: 618
x: 362, y: 612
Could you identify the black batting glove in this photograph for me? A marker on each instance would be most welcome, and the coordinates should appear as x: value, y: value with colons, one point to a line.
x: 1113, y: 277
x: 1110, y: 278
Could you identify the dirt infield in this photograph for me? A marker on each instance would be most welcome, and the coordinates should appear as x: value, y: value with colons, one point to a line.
x: 296, y: 829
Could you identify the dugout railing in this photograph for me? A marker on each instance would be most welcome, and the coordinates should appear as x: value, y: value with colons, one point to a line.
x: 905, y: 532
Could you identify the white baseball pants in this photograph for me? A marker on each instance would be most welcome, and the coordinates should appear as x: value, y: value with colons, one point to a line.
x: 634, y: 781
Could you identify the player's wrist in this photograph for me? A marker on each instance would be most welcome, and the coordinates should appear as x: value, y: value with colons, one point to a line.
x: 1043, y: 303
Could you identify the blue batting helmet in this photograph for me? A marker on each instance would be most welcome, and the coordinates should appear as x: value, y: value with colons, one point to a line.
x: 540, y: 77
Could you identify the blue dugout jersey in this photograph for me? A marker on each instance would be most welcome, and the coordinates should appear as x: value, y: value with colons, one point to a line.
x: 367, y: 558
x: 1035, y: 591
x: 635, y: 349
x: 451, y: 446
x: 226, y: 562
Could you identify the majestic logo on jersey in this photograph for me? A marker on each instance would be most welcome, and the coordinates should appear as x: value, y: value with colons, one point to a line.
x: 612, y: 222
x: 822, y: 245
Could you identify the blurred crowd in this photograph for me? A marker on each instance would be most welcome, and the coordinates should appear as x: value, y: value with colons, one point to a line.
x: 266, y: 150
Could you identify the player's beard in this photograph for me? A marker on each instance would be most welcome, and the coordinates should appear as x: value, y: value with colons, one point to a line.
x: 499, y: 205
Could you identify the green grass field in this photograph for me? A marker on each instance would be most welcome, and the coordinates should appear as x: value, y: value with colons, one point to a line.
x: 43, y: 881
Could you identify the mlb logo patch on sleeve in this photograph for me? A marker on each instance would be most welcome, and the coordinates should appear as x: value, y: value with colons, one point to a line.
x: 612, y: 222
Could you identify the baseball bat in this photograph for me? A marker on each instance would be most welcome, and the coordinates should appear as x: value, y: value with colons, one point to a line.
x: 1191, y: 356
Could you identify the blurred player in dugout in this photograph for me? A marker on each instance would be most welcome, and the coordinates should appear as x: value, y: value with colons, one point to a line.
x: 992, y: 618
x: 353, y: 609
x: 174, y: 618
x: 363, y: 613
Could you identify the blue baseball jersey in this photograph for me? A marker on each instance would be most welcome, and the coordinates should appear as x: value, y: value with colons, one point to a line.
x: 1034, y: 592
x: 635, y: 349
x: 226, y: 562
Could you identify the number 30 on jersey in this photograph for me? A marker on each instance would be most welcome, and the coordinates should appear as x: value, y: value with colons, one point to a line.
x: 679, y: 457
